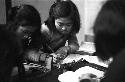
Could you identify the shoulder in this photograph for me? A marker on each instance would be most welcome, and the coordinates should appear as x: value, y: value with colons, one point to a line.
x: 115, y: 72
x: 44, y: 28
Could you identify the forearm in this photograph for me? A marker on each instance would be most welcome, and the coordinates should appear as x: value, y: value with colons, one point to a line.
x: 73, y: 48
x: 73, y: 44
x: 34, y: 55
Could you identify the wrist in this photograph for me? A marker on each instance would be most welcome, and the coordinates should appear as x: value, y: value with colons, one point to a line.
x: 68, y: 49
x: 49, y: 55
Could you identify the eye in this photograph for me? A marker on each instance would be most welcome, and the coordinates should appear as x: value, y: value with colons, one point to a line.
x: 60, y: 24
x: 68, y: 25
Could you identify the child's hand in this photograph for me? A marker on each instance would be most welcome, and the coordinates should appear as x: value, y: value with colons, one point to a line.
x: 48, y: 63
x: 54, y: 57
x: 62, y: 52
x: 32, y: 56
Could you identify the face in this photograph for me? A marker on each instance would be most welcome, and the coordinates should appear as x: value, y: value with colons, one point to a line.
x: 63, y: 25
x: 25, y: 32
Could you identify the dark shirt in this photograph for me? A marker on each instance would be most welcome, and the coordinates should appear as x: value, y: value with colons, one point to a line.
x: 116, y: 70
x: 56, y: 41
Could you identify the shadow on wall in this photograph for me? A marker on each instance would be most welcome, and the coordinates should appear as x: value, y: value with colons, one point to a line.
x: 42, y: 6
x: 2, y: 12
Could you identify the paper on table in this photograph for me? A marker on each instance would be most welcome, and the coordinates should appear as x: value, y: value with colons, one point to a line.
x: 71, y: 76
x: 87, y: 47
x: 91, y: 59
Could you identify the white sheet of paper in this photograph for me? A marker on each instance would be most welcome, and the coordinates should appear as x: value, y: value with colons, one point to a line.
x: 71, y: 76
x: 91, y: 59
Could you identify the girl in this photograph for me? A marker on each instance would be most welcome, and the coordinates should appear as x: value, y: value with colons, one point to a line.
x: 25, y: 21
x: 61, y: 26
x: 109, y: 30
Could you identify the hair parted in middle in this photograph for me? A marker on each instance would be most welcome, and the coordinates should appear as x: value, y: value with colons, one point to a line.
x: 64, y: 9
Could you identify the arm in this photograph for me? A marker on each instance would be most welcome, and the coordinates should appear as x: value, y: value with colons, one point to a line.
x: 73, y: 44
x: 36, y: 56
x: 70, y: 48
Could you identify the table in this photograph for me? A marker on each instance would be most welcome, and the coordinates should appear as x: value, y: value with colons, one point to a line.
x: 77, y: 69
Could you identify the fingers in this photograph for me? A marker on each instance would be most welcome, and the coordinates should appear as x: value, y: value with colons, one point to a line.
x: 32, y: 56
x: 48, y: 63
x: 58, y: 57
x: 54, y: 57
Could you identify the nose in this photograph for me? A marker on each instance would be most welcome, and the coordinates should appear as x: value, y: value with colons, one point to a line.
x: 63, y: 28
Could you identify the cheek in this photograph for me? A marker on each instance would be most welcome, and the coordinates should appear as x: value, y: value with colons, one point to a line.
x: 58, y: 28
x: 20, y: 34
x: 69, y: 28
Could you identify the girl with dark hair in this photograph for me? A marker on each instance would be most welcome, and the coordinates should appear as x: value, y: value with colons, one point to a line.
x: 109, y: 30
x: 61, y: 26
x: 26, y: 22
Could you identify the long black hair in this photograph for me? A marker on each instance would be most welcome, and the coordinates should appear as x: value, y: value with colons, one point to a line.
x: 19, y: 14
x: 64, y: 9
x: 26, y: 15
x: 109, y: 29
